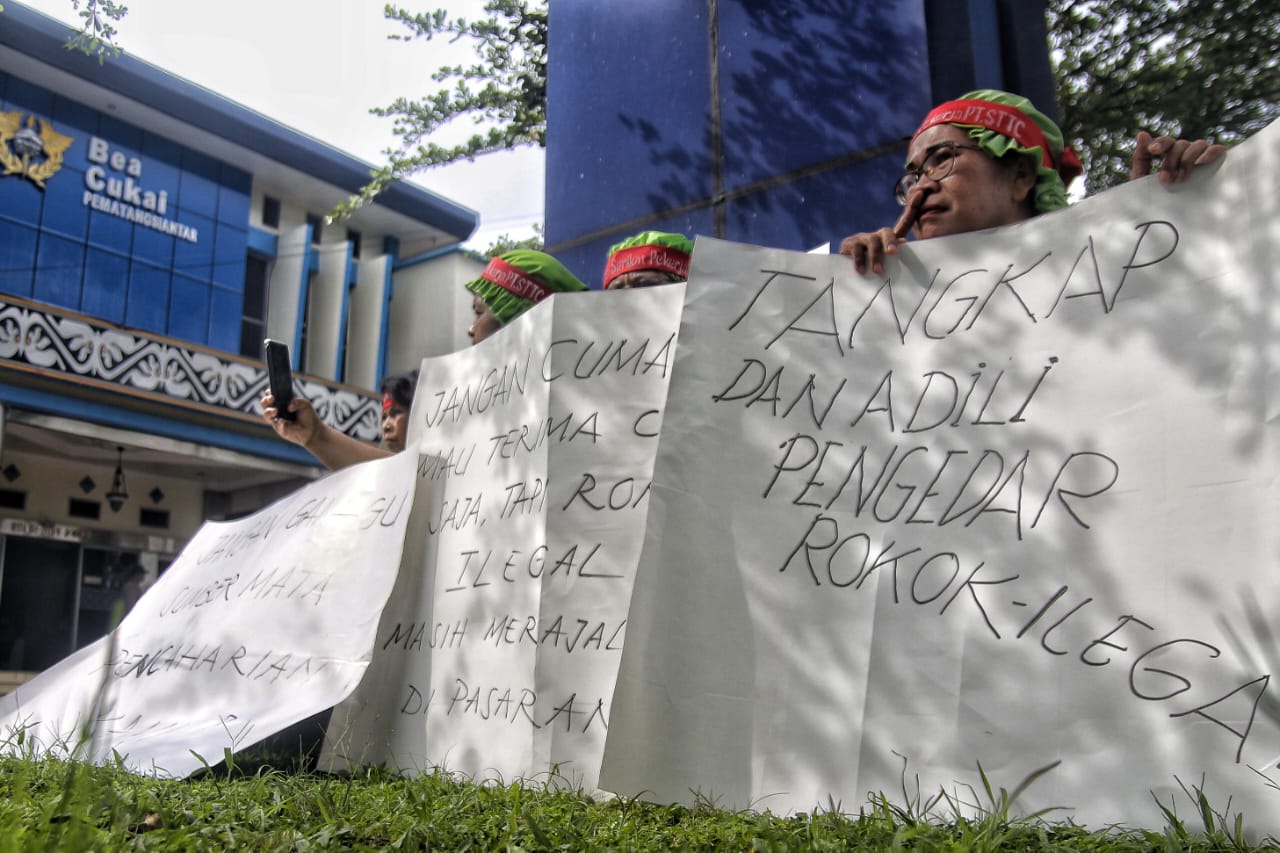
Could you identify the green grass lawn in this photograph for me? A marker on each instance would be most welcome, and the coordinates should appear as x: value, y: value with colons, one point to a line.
x: 63, y: 806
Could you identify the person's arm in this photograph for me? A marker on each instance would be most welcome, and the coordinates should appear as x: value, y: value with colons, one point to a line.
x: 1178, y: 157
x: 334, y: 449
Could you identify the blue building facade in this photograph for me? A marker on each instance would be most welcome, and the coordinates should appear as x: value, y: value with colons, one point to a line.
x: 119, y: 223
x: 152, y: 234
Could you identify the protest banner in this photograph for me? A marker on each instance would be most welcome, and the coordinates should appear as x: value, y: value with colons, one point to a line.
x: 498, y: 654
x: 258, y: 624
x: 1009, y: 504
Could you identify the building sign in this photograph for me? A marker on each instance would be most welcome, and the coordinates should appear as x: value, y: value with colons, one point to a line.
x: 40, y: 529
x: 24, y: 150
x: 113, y: 185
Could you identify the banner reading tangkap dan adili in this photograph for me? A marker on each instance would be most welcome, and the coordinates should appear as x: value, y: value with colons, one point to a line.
x: 1009, y: 504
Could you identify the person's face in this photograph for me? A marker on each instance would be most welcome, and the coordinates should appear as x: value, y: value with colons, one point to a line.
x: 981, y: 192
x: 484, y: 324
x: 641, y: 278
x: 395, y: 427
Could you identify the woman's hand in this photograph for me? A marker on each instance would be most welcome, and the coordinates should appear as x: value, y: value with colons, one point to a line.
x: 302, y: 430
x: 1178, y: 157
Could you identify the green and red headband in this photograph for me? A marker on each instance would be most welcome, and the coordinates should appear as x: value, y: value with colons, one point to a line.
x: 660, y: 251
x: 513, y: 280
x: 1011, y: 122
x: 660, y: 258
x: 516, y: 281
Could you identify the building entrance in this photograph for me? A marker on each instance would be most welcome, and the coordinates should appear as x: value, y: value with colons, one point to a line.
x: 37, y: 602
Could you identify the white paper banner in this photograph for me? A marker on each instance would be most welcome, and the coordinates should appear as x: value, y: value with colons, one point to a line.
x: 499, y: 655
x: 258, y: 624
x: 1011, y: 503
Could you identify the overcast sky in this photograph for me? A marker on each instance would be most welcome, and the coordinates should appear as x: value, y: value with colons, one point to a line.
x: 318, y: 66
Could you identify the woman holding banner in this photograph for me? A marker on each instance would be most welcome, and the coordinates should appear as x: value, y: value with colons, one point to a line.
x: 991, y: 159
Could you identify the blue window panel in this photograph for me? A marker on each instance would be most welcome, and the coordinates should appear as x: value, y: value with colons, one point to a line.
x: 64, y: 209
x: 162, y: 148
x: 230, y: 245
x: 189, y: 310
x: 161, y: 170
x: 59, y: 271
x: 110, y: 232
x: 161, y: 199
x: 79, y: 122
x: 153, y: 246
x: 198, y: 192
x: 225, y: 309
x: 235, y: 196
x: 201, y: 164
x: 194, y: 259
x: 230, y: 276
x: 70, y: 179
x: 120, y: 135
x: 20, y: 199
x: 21, y: 95
x: 147, y: 307
x: 74, y: 117
x: 17, y: 258
x: 158, y: 179
x: 106, y: 283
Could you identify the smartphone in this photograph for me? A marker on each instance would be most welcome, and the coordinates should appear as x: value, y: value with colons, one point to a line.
x: 279, y: 376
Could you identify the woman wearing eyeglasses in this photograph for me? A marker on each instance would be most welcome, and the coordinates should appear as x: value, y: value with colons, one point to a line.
x: 991, y: 159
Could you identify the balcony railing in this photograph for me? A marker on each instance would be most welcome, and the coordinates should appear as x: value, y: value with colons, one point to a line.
x: 46, y: 341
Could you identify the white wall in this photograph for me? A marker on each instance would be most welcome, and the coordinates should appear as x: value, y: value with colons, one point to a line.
x: 291, y: 215
x: 364, y: 322
x: 327, y: 305
x: 431, y: 310
x: 428, y: 314
x: 51, y: 481
x: 284, y: 286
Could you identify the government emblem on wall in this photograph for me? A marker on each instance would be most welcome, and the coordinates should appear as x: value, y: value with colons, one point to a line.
x: 33, y: 153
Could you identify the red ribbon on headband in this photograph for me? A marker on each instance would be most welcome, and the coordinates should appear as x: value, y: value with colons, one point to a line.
x: 515, y: 280
x: 1007, y: 121
x: 663, y: 258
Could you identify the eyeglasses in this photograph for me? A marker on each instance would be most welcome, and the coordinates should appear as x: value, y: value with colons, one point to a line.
x: 938, y: 161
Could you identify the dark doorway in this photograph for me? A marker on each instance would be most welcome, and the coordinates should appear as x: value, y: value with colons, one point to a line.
x: 37, y: 602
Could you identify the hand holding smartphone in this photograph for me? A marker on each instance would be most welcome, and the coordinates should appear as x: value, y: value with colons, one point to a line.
x: 279, y: 376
